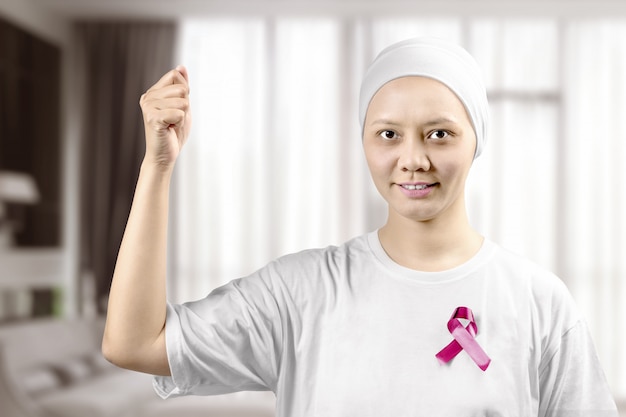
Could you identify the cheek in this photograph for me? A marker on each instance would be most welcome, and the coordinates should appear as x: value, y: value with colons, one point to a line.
x: 369, y: 156
x: 379, y: 163
x: 454, y: 172
x: 453, y: 162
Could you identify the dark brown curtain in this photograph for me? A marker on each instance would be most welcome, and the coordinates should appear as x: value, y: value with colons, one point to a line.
x: 121, y: 61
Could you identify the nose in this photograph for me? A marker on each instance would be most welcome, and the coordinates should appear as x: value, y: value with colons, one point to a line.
x: 413, y: 156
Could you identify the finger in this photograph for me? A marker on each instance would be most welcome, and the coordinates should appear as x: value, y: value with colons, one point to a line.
x: 171, y: 77
x: 171, y: 103
x: 169, y: 91
x: 183, y: 71
x: 163, y: 119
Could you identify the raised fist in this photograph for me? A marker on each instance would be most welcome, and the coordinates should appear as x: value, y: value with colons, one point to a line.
x: 167, y: 117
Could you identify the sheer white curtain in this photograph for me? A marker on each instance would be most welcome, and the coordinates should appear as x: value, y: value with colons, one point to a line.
x: 512, y: 194
x: 594, y: 235
x: 275, y: 165
x: 223, y: 172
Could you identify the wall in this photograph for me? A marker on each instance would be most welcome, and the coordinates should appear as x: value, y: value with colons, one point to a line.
x: 32, y: 18
x: 57, y: 30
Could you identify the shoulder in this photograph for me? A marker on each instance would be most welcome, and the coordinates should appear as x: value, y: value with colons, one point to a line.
x: 538, y: 279
x: 327, y: 257
x: 309, y: 269
x: 550, y: 301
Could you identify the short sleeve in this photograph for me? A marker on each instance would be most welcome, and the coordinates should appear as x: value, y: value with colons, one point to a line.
x: 572, y: 382
x: 226, y: 342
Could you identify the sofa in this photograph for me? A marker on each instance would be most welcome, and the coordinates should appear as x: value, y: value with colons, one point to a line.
x: 54, y: 368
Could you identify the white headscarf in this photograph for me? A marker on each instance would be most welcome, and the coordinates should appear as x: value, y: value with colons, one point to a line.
x: 441, y: 60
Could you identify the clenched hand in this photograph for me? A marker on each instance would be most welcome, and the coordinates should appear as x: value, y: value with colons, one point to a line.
x: 167, y: 117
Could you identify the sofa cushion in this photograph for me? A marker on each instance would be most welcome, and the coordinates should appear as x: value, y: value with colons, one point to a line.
x: 113, y: 394
x: 37, y: 381
x: 45, y: 341
x: 74, y: 370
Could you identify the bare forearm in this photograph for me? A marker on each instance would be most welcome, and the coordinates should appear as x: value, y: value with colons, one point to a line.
x: 137, y: 303
x: 134, y: 336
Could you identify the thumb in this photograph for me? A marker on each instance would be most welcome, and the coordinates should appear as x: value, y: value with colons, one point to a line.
x: 183, y: 71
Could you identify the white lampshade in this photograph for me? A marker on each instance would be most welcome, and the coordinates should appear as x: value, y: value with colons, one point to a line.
x: 16, y: 187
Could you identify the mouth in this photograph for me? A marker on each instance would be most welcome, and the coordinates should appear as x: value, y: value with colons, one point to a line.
x: 417, y: 186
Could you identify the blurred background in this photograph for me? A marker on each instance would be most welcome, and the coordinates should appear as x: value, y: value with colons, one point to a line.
x: 274, y: 164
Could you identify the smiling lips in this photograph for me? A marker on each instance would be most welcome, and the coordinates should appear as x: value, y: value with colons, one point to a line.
x: 417, y: 190
x: 416, y: 185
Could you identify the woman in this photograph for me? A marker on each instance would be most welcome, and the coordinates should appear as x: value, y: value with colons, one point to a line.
x: 423, y: 317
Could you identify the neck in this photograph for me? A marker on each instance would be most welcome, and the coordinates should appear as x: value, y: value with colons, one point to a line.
x: 434, y: 245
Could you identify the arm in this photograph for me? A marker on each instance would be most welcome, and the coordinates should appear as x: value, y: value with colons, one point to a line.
x: 572, y: 382
x: 134, y: 335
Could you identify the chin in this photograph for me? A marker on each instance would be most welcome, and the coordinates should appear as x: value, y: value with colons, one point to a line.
x: 421, y: 216
x: 424, y: 212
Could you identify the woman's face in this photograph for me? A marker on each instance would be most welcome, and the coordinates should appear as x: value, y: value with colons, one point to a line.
x: 419, y: 144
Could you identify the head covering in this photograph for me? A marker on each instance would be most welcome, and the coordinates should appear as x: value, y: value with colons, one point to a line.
x: 441, y: 60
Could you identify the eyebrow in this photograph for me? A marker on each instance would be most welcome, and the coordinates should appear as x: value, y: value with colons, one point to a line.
x: 432, y: 122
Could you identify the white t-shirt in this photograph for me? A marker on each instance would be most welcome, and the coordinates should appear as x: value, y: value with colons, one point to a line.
x: 345, y: 331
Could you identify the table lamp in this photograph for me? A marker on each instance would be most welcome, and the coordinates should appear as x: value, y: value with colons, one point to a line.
x: 15, y: 188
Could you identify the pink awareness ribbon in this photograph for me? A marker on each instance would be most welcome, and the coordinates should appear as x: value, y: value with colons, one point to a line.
x: 464, y: 339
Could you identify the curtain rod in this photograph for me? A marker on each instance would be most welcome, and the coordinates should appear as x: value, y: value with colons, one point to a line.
x: 144, y: 9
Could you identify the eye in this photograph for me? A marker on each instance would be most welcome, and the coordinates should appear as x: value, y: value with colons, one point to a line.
x: 388, y: 134
x: 439, y: 134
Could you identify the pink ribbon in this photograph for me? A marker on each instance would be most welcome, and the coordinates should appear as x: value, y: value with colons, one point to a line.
x: 464, y: 339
